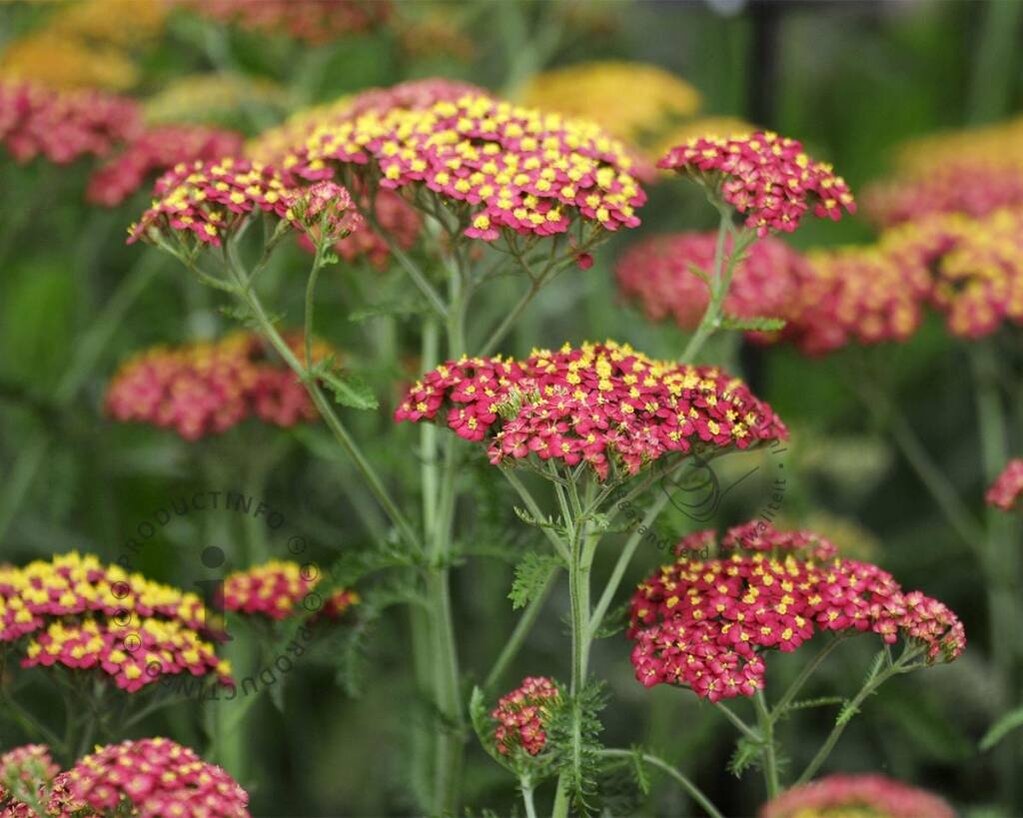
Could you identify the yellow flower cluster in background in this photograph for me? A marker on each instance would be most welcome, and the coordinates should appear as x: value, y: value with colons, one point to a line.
x: 209, y: 97
x: 628, y: 99
x: 998, y: 144
x: 86, y: 44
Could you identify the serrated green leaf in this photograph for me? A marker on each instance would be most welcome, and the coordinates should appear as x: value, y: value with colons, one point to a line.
x: 397, y: 307
x: 758, y: 323
x: 349, y: 390
x: 1001, y: 728
x: 532, y: 573
x: 639, y: 770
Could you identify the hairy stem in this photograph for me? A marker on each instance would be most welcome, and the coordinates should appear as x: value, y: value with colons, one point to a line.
x: 768, y: 754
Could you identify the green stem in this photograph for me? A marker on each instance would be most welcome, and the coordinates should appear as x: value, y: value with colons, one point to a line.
x: 874, y: 680
x: 720, y: 280
x: 526, y: 788
x: 742, y: 727
x: 768, y: 753
x: 244, y: 291
x: 1000, y: 559
x: 945, y: 495
x: 993, y: 72
x: 694, y: 792
x: 804, y: 675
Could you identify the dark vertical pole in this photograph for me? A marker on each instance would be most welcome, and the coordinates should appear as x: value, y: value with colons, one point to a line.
x: 761, y: 98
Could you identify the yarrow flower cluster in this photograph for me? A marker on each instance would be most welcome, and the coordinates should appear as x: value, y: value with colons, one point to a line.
x: 30, y: 778
x: 312, y: 21
x: 1007, y: 490
x: 704, y: 127
x: 658, y: 272
x: 210, y: 199
x: 766, y: 177
x: 515, y: 168
x: 277, y: 588
x: 522, y: 716
x: 970, y: 270
x: 708, y: 624
x: 856, y: 796
x: 75, y: 612
x: 155, y: 150
x: 645, y: 97
x: 156, y: 778
x: 206, y: 388
x: 973, y: 172
x: 62, y: 125
x: 598, y: 403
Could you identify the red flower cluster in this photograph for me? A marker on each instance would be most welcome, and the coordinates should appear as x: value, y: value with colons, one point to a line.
x: 275, y: 588
x: 312, y: 21
x: 706, y: 624
x: 973, y: 189
x: 973, y: 172
x: 1007, y: 490
x: 658, y: 272
x: 62, y: 125
x: 522, y: 715
x: 83, y: 615
x: 29, y: 775
x: 856, y: 796
x: 516, y: 168
x: 764, y: 176
x: 598, y: 403
x: 325, y: 207
x: 207, y: 388
x: 153, y: 151
x: 156, y: 778
x: 211, y: 198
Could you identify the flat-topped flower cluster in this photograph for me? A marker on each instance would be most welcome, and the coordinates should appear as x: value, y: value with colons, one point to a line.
x: 62, y: 126
x: 598, y: 403
x: 147, y: 778
x: 856, y: 796
x: 276, y: 589
x: 515, y: 168
x: 210, y: 199
x: 766, y: 177
x: 72, y: 611
x: 707, y: 624
x: 522, y: 715
x: 206, y: 388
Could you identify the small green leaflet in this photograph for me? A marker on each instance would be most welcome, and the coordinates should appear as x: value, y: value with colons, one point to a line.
x: 531, y: 575
x: 1001, y: 728
x: 759, y: 323
x: 349, y: 390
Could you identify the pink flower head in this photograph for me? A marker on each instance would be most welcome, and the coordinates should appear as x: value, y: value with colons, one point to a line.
x: 1006, y: 491
x: 325, y: 208
x: 658, y: 272
x: 312, y: 21
x: 278, y: 588
x: 156, y: 778
x: 847, y: 796
x: 515, y: 168
x: 599, y: 403
x: 766, y: 177
x: 708, y: 624
x: 522, y: 716
x: 28, y: 776
x: 209, y: 199
x: 72, y: 611
x: 153, y: 151
x: 62, y: 125
x: 207, y: 388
